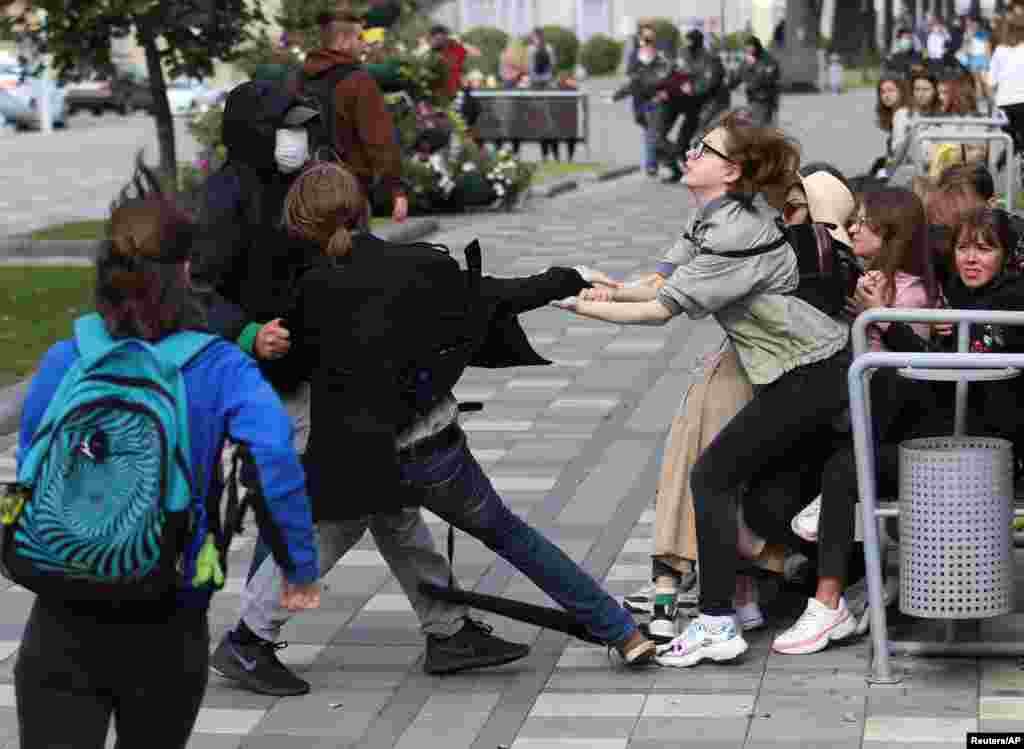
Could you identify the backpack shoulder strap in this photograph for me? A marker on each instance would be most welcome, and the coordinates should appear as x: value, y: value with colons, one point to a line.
x: 184, y: 346
x: 333, y: 77
x: 91, y: 336
x: 761, y: 248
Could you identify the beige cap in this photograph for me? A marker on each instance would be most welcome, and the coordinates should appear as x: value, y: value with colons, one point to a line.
x: 830, y: 202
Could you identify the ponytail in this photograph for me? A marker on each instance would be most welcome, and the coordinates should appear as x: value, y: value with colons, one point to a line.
x: 323, y: 206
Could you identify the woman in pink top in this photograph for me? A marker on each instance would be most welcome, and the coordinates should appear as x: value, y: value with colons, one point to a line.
x: 890, y: 236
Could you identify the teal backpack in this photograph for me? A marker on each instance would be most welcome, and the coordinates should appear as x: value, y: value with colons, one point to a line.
x: 107, y: 482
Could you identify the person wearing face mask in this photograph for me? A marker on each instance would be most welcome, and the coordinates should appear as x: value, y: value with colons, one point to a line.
x: 647, y: 70
x: 904, y: 56
x: 701, y: 98
x: 760, y: 73
x: 246, y: 261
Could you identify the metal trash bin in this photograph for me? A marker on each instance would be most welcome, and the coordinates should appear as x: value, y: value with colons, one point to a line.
x: 956, y: 544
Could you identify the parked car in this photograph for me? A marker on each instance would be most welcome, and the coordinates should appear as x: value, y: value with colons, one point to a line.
x: 121, y: 91
x: 186, y: 96
x: 20, y: 105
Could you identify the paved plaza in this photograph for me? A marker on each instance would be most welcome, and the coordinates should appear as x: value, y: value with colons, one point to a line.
x: 575, y: 448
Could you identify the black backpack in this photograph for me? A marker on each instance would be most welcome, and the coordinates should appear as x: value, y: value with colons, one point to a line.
x: 828, y: 269
x: 458, y: 323
x: 541, y: 61
x: 323, y: 131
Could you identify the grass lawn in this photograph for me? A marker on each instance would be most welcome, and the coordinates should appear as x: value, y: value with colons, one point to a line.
x: 37, y: 307
x: 552, y: 170
x: 71, y: 230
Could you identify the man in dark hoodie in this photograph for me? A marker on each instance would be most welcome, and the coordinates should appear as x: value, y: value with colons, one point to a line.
x: 248, y: 260
x: 363, y: 128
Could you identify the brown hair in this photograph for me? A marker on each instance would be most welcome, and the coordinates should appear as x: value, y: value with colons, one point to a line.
x: 951, y: 199
x: 341, y: 23
x: 920, y: 72
x: 993, y: 226
x: 1012, y: 31
x: 885, y: 113
x: 898, y: 216
x: 142, y: 288
x: 962, y: 99
x: 324, y: 205
x: 768, y: 159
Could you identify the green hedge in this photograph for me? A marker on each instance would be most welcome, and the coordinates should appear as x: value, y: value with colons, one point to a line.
x: 601, y: 55
x: 565, y: 44
x: 491, y: 42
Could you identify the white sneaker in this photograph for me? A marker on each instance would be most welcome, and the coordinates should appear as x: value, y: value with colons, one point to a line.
x: 713, y: 637
x: 815, y: 628
x: 805, y: 522
x: 662, y: 627
x: 749, y: 616
x: 642, y: 601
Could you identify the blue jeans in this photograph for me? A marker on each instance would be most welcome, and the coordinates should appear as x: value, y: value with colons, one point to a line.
x: 451, y: 484
x: 651, y: 138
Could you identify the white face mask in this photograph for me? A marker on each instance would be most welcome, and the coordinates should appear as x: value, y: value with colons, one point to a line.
x: 291, y: 149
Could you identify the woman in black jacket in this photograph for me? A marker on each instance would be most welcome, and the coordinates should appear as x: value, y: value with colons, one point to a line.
x: 368, y: 316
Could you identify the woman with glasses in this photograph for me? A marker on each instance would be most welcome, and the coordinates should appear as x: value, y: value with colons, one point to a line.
x: 890, y: 237
x: 794, y: 354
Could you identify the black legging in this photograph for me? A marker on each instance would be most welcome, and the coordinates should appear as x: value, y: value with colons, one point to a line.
x: 760, y: 446
x: 76, y: 670
x: 1015, y: 114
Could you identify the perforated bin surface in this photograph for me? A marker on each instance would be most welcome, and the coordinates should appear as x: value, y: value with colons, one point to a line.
x: 956, y: 544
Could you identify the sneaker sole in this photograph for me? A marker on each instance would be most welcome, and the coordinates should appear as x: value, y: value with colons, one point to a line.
x: 840, y: 631
x: 481, y: 662
x: 724, y: 651
x: 243, y: 678
x: 662, y: 631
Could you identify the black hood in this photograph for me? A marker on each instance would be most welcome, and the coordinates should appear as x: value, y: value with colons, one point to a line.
x: 253, y: 112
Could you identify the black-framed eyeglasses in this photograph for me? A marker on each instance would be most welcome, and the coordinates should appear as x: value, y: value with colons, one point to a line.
x: 697, y: 152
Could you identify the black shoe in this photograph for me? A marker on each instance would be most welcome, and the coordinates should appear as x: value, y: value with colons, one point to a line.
x: 473, y: 646
x: 255, y: 666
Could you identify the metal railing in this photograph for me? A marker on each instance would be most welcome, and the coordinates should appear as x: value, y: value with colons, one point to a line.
x: 866, y: 362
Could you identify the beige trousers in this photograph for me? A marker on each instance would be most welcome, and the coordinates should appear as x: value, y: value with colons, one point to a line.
x: 707, y: 406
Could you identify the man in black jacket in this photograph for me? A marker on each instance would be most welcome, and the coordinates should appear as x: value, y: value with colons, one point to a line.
x: 246, y: 267
x: 364, y: 324
x: 760, y: 72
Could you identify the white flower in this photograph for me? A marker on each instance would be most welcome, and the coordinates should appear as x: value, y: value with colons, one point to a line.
x: 469, y: 166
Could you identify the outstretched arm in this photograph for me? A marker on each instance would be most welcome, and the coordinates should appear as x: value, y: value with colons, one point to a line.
x: 629, y: 313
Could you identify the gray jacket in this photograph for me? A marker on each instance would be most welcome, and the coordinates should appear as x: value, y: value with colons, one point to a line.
x: 751, y: 298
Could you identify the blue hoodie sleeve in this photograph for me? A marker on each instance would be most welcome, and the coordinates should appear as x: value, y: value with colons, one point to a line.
x: 52, y: 368
x: 257, y: 418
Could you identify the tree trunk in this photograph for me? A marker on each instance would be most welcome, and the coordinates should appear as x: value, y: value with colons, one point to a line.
x: 799, y: 58
x: 888, y: 22
x: 161, y: 107
x: 849, y: 17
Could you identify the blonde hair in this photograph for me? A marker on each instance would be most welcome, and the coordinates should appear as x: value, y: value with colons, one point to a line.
x: 323, y: 206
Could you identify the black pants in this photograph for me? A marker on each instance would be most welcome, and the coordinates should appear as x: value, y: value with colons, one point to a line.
x: 76, y: 670
x: 1015, y: 113
x: 759, y: 447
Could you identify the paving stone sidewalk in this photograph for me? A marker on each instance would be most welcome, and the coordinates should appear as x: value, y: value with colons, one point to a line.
x: 574, y: 447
